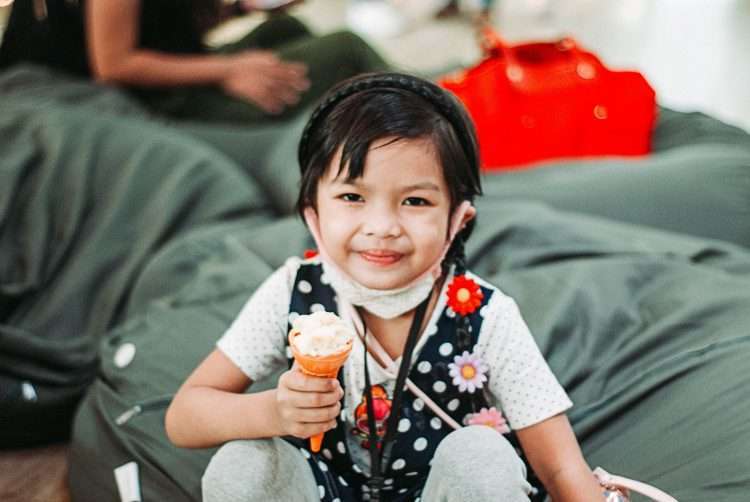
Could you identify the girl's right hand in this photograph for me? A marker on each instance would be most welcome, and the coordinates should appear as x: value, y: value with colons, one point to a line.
x: 307, y: 405
x: 263, y: 79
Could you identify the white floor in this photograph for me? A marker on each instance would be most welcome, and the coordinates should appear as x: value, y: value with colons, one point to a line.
x: 694, y: 52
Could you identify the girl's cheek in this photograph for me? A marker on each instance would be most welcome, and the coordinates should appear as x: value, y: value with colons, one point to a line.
x: 337, y: 230
x: 433, y: 232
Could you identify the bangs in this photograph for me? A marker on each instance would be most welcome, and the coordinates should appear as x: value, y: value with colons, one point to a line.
x: 369, y: 117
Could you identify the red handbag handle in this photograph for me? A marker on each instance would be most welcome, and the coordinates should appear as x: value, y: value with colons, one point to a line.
x: 490, y: 40
x: 493, y: 44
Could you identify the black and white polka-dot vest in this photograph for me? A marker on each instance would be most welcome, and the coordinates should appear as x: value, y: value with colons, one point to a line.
x: 420, y: 430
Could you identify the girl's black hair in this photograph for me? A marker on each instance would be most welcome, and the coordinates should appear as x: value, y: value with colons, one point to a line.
x: 370, y: 107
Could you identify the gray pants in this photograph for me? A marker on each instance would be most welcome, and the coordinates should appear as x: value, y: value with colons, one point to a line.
x: 471, y: 464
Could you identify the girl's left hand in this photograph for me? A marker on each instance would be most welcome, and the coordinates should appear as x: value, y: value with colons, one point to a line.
x: 554, y: 454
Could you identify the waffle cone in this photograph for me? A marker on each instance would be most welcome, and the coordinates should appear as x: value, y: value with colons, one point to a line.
x: 327, y: 366
x: 320, y: 366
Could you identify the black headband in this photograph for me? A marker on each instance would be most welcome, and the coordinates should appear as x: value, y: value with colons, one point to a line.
x: 444, y: 102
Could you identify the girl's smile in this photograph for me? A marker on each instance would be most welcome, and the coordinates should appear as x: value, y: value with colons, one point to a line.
x: 382, y: 257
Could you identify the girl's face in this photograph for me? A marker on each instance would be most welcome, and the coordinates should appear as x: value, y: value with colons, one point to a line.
x: 389, y: 226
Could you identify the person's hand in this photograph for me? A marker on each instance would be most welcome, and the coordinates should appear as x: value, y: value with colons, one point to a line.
x: 263, y: 79
x: 307, y: 405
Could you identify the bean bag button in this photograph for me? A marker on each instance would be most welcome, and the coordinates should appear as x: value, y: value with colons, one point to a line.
x: 124, y: 355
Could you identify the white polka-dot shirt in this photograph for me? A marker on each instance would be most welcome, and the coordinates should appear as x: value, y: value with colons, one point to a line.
x: 521, y: 383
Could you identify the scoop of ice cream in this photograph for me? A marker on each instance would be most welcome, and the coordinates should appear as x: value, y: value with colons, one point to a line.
x: 321, y: 334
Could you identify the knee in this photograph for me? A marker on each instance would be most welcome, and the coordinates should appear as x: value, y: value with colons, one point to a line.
x: 225, y: 478
x: 470, y: 450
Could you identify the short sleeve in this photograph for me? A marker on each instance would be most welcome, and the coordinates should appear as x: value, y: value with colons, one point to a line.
x: 520, y: 380
x: 256, y: 340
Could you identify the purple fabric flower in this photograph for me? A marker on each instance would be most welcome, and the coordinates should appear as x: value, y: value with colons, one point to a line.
x: 468, y: 372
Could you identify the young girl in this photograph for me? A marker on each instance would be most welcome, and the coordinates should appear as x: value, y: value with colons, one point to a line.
x: 389, y: 172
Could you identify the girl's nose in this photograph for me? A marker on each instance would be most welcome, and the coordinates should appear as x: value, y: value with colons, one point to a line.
x: 381, y: 223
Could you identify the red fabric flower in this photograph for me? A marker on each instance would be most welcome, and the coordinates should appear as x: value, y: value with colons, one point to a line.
x: 464, y: 295
x: 310, y: 253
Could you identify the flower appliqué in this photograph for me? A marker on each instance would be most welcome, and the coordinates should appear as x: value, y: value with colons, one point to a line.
x: 489, y: 417
x: 468, y: 371
x: 464, y: 295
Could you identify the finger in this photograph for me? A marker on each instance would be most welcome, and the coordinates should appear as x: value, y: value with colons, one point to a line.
x: 318, y: 415
x: 288, y: 84
x: 265, y: 100
x: 272, y: 106
x: 306, y: 383
x: 314, y: 399
x: 288, y: 95
x: 250, y: 91
x: 300, y: 84
x: 275, y: 103
x: 304, y: 431
x: 284, y: 71
x: 285, y: 82
x: 295, y: 67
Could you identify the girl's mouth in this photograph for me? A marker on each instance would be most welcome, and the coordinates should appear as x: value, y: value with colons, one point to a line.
x: 380, y: 256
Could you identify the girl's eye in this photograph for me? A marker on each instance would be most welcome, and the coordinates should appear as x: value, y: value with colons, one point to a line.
x: 416, y: 201
x: 350, y: 197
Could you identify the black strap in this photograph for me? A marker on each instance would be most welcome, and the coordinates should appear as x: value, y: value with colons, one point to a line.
x: 376, y: 478
x: 379, y: 459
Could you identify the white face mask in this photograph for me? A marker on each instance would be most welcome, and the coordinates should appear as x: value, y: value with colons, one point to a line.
x: 388, y: 303
x: 384, y: 303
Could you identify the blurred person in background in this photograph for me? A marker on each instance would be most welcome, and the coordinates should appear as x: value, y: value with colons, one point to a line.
x: 155, y: 48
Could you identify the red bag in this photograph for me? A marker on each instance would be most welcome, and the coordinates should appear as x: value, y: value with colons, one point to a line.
x: 550, y: 100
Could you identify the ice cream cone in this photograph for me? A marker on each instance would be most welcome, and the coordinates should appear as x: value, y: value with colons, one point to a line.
x: 327, y: 366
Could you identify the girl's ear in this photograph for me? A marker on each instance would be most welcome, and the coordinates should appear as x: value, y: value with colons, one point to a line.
x: 469, y: 215
x: 461, y: 216
x: 311, y: 218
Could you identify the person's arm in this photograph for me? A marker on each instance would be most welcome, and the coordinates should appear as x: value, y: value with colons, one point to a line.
x: 112, y: 29
x: 534, y: 403
x: 210, y: 408
x: 554, y: 454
